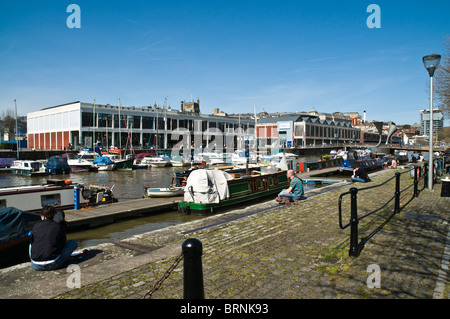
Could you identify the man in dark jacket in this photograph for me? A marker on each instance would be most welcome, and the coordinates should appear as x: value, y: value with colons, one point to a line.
x: 360, y: 175
x: 48, y: 247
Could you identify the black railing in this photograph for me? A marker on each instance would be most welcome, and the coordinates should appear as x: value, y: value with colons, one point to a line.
x: 355, y: 246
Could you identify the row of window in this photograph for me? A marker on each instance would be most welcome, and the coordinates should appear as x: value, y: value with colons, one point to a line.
x: 327, y: 132
x: 148, y: 122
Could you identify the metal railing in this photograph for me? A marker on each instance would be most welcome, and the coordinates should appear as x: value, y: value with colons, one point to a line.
x: 420, y: 172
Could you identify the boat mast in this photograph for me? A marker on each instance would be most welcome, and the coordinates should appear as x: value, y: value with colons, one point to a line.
x: 17, y: 141
x: 93, y: 129
x: 120, y: 138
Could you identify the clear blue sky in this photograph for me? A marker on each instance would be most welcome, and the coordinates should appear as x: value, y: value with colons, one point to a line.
x: 275, y: 55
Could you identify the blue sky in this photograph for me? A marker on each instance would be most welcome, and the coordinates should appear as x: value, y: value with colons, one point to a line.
x: 235, y: 55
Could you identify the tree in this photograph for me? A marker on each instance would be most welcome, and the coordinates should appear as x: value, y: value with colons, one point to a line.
x: 442, y: 80
x: 8, y: 122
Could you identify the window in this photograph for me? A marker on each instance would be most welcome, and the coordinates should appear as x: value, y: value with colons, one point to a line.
x: 104, y: 120
x: 87, y: 119
x: 51, y: 199
x: 2, y: 203
x: 147, y: 122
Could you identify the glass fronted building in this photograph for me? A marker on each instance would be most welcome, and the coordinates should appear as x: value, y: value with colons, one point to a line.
x: 80, y: 124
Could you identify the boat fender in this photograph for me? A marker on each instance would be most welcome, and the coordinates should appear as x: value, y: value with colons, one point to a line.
x: 67, y: 181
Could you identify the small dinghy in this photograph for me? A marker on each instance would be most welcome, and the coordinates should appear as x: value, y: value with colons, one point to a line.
x: 164, y: 192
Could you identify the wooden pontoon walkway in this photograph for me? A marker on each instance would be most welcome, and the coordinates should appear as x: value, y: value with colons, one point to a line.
x: 108, y: 213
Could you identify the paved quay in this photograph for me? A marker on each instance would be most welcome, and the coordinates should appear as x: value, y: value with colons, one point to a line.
x: 271, y: 251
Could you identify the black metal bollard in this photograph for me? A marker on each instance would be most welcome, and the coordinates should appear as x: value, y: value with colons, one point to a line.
x: 397, y: 193
x: 354, y: 250
x: 193, y: 273
x: 416, y: 180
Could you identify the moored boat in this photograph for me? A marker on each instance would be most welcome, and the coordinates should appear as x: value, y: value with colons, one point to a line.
x: 29, y: 168
x: 121, y: 163
x: 104, y: 163
x: 210, y: 157
x: 83, y: 161
x: 57, y: 165
x: 356, y: 158
x: 317, y: 165
x: 57, y: 192
x: 210, y: 190
x: 156, y: 161
x: 170, y: 191
x: 242, y: 157
x: 180, y: 161
x: 15, y: 227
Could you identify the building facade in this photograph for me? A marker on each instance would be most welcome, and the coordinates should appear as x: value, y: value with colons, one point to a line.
x: 305, y: 130
x: 80, y: 124
x: 438, y: 122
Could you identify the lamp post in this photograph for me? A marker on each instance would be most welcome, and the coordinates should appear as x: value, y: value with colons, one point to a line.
x: 431, y: 63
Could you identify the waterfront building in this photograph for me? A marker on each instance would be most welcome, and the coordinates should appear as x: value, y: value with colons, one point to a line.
x: 305, y: 129
x: 79, y: 124
x: 438, y: 122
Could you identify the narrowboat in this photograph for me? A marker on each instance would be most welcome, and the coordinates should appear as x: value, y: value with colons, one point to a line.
x: 15, y: 227
x: 210, y: 190
x: 57, y: 192
x: 366, y: 161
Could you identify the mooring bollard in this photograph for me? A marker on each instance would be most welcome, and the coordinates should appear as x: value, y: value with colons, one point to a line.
x: 397, y: 193
x: 193, y: 273
x: 76, y: 197
x: 354, y: 249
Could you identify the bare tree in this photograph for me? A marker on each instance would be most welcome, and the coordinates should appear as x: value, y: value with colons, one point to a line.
x: 442, y: 79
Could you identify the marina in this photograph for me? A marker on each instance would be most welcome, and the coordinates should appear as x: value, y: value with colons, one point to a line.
x: 226, y: 150
x: 134, y: 213
x: 116, y: 204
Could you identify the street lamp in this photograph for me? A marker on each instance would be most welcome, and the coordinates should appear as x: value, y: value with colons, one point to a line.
x: 431, y: 63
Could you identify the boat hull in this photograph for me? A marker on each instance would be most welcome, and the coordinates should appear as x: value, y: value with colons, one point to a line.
x: 124, y: 164
x: 58, y: 193
x: 27, y: 172
x: 165, y: 192
x: 368, y: 164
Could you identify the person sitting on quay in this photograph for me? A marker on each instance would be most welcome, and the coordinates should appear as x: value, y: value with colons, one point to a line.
x: 295, y: 191
x: 393, y: 163
x: 360, y: 175
x: 48, y: 247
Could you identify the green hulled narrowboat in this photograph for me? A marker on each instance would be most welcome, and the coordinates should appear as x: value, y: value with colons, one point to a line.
x: 209, y: 190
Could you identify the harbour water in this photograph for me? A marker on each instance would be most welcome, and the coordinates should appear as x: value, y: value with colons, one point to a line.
x: 127, y: 185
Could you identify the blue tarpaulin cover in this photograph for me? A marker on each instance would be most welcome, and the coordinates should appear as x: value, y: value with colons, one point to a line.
x: 103, y: 160
x: 15, y: 223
